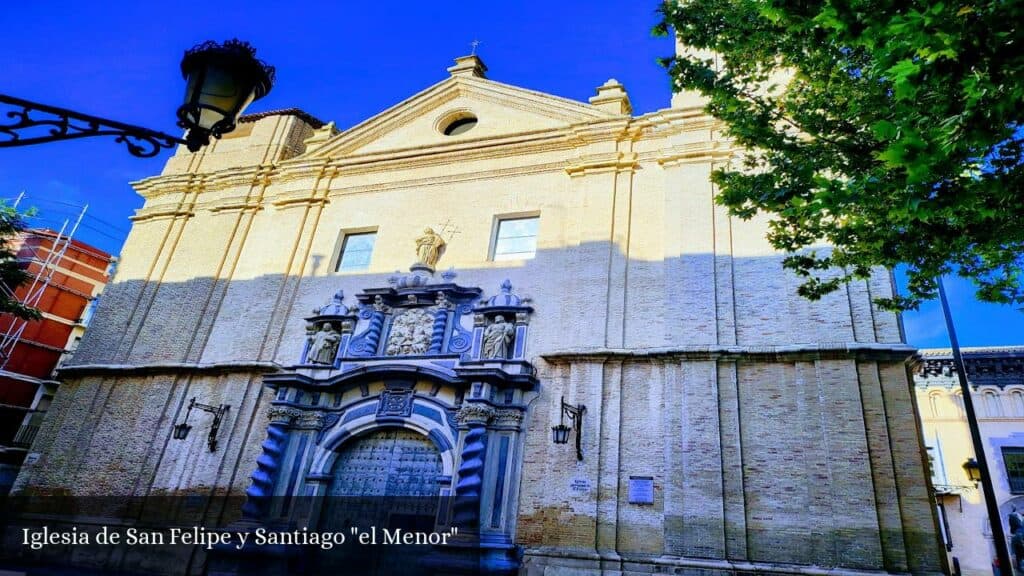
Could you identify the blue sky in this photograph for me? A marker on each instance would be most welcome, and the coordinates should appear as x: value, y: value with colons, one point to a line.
x: 341, y: 61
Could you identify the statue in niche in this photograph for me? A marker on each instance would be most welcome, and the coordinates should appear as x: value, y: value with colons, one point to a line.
x: 429, y: 247
x: 323, y: 345
x: 497, y: 338
x: 410, y: 333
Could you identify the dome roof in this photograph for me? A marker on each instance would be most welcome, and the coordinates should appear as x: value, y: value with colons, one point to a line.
x: 336, y: 307
x: 506, y: 298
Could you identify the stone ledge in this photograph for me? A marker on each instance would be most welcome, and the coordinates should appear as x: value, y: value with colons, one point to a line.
x: 584, y: 562
x: 169, y: 368
x: 826, y: 351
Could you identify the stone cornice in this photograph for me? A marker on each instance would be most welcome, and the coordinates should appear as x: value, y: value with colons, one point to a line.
x: 598, y: 129
x: 297, y: 199
x: 435, y: 96
x: 827, y: 351
x: 230, y: 204
x: 167, y: 368
x: 677, y: 564
x: 342, y: 190
x: 161, y: 212
x: 598, y: 163
x: 998, y: 367
x: 520, y: 144
x: 695, y: 153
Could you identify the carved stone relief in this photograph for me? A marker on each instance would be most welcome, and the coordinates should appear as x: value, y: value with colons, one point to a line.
x: 410, y: 333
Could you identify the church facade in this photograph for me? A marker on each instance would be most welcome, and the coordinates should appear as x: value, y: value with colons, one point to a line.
x: 417, y: 306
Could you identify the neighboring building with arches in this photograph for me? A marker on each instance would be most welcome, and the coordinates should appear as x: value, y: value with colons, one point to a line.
x: 589, y: 368
x: 996, y: 376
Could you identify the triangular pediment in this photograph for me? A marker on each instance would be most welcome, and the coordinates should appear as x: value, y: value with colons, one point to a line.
x: 418, y: 122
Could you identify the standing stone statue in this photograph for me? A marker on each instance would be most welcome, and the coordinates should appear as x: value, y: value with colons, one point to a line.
x: 323, y: 345
x: 428, y: 247
x: 497, y: 338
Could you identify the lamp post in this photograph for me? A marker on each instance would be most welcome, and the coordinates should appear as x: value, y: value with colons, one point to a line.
x: 221, y: 80
x: 979, y: 470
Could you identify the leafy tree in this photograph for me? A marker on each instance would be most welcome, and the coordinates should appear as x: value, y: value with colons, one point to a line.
x: 888, y: 130
x: 12, y: 274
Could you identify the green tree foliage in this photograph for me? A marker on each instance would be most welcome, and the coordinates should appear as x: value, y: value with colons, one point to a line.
x: 895, y: 135
x: 12, y: 274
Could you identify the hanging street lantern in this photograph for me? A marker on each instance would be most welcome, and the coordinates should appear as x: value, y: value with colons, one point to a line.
x: 222, y: 80
x: 973, y: 470
x: 560, y: 432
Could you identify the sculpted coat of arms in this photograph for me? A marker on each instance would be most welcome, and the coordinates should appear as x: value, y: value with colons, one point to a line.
x: 410, y: 333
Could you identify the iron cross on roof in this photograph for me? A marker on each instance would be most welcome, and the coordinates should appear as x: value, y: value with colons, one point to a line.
x: 448, y: 230
x: 474, y: 44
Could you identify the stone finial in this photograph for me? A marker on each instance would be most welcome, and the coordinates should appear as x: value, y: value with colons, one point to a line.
x: 611, y: 96
x: 336, y: 305
x: 320, y: 136
x: 470, y: 65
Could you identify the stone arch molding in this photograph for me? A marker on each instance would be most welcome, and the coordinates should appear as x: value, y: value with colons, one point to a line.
x: 345, y: 430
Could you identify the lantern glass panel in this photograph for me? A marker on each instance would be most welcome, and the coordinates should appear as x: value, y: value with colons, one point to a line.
x: 973, y: 470
x: 218, y: 97
x: 560, y: 434
x: 181, y: 431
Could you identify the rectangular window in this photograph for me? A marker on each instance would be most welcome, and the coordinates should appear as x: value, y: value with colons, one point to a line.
x: 1013, y: 457
x: 356, y: 250
x: 515, y: 238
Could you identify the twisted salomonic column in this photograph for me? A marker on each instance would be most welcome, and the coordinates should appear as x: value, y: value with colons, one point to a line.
x: 262, y: 487
x: 472, y: 418
x: 376, y: 326
x: 440, y: 322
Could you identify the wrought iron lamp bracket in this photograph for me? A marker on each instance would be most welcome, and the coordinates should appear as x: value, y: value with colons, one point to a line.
x: 575, y: 414
x: 34, y: 123
x: 218, y: 416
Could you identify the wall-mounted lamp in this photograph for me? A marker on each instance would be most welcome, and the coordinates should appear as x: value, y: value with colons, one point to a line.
x: 973, y: 470
x: 180, y: 431
x: 560, y: 433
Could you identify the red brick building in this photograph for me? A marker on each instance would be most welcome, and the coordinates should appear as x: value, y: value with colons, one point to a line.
x: 67, y: 286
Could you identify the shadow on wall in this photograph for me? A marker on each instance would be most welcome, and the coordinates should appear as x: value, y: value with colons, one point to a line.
x: 589, y: 296
x: 111, y: 430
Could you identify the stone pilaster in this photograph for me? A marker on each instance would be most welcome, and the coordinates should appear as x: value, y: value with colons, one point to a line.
x: 472, y: 419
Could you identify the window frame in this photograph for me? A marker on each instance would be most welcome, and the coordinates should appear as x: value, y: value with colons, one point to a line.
x: 1015, y: 451
x: 339, y: 252
x: 496, y: 230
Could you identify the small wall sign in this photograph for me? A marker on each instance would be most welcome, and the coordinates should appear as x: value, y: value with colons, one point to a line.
x: 641, y: 490
x: 580, y: 485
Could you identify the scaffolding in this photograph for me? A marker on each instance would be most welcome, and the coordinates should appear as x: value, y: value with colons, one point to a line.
x: 37, y: 285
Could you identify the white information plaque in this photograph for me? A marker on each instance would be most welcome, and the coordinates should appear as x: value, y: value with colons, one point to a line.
x: 641, y: 490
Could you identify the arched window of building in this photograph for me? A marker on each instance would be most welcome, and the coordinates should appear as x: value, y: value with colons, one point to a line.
x: 958, y: 402
x: 992, y: 407
x: 934, y: 401
x: 1017, y: 402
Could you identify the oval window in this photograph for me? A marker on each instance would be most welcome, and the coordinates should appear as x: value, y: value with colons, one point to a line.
x: 460, y: 126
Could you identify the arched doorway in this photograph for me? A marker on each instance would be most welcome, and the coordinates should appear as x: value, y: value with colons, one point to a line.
x: 385, y: 479
x: 388, y: 462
